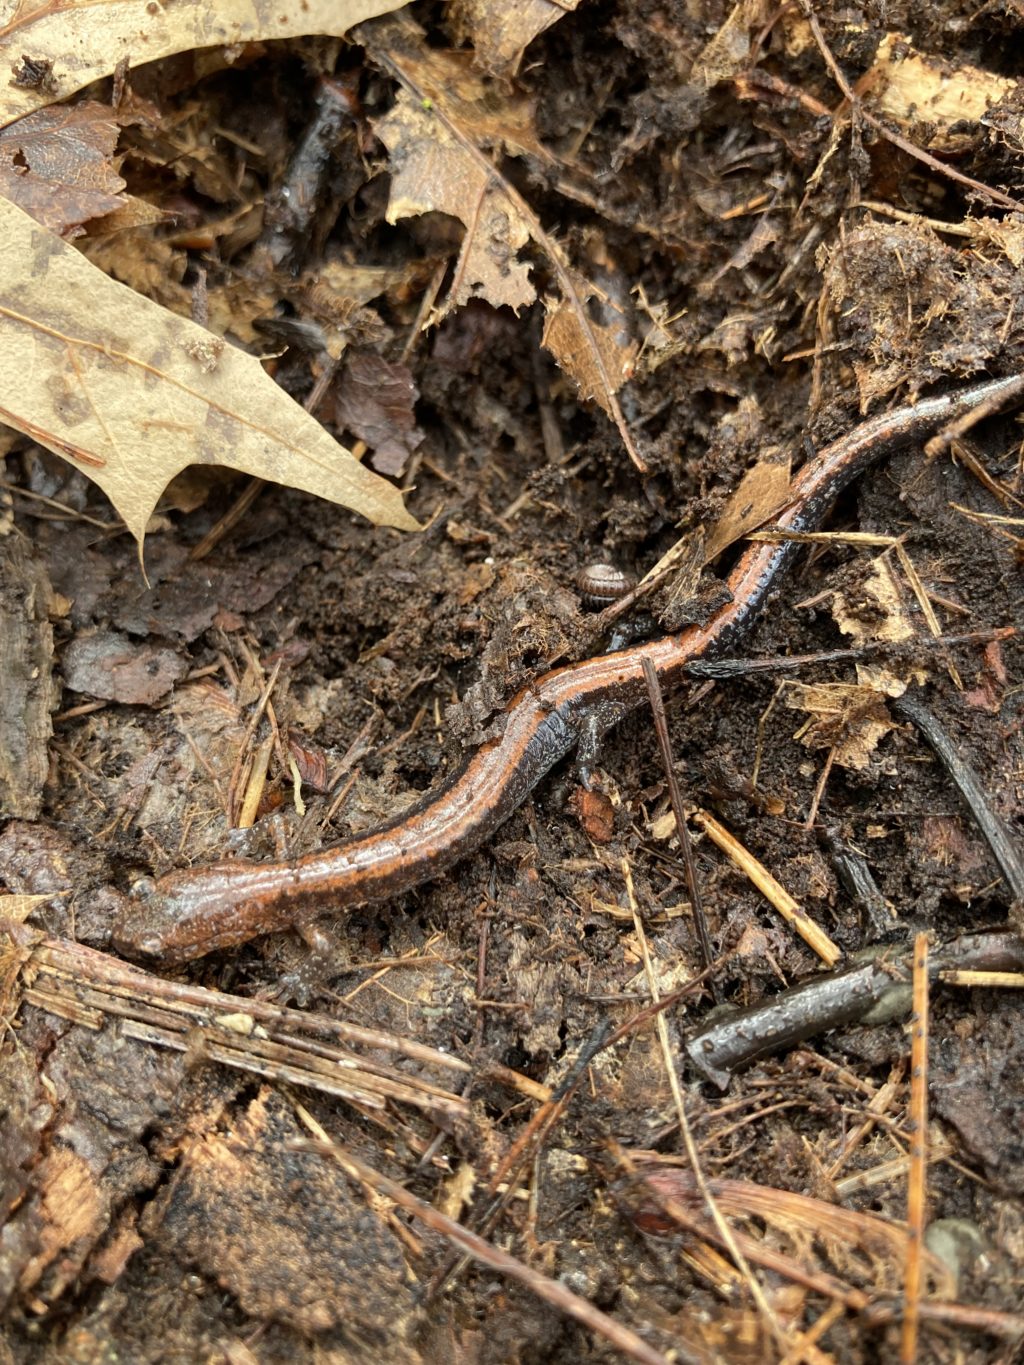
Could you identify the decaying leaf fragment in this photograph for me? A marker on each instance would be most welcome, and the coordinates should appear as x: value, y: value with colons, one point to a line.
x: 847, y: 718
x: 376, y: 400
x: 880, y: 612
x: 500, y: 30
x: 132, y: 394
x: 851, y: 718
x: 433, y: 170
x: 51, y: 50
x: 440, y: 133
x: 57, y: 164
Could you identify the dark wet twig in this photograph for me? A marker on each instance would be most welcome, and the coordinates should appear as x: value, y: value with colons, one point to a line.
x: 295, y: 211
x: 858, y: 883
x: 873, y: 992
x: 888, y: 649
x: 997, y: 836
x: 676, y: 798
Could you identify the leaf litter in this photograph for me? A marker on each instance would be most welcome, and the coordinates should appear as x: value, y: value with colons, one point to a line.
x: 132, y: 394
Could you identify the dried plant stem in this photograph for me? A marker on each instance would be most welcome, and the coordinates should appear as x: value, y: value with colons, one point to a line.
x: 724, y: 1230
x: 918, y: 1176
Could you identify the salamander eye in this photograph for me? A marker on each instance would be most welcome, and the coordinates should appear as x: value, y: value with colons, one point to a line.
x: 147, y: 945
x: 143, y: 889
x: 601, y: 584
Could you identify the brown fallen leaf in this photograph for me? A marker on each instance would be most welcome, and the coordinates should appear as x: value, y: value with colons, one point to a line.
x: 57, y: 164
x: 132, y: 394
x: 52, y: 50
x: 437, y: 165
x: 441, y: 133
x: 375, y: 399
x: 500, y: 30
x: 760, y: 494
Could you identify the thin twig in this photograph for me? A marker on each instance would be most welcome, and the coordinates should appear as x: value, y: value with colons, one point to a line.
x: 996, y: 834
x: 793, y: 663
x: 700, y: 921
x: 924, y: 602
x: 918, y: 1174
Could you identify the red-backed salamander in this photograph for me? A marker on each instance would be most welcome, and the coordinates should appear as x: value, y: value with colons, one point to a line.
x: 186, y: 914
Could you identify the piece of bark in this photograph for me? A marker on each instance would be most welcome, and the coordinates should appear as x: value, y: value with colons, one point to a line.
x: 283, y: 1231
x: 29, y: 693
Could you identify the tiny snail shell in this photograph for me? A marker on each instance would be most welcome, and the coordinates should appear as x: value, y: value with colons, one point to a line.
x: 601, y: 584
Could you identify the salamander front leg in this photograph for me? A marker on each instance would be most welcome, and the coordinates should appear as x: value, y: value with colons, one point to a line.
x: 595, y: 725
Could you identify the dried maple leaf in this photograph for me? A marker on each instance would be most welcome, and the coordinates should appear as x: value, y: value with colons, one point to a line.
x: 440, y: 133
x: 132, y: 394
x: 500, y: 30
x: 55, y: 49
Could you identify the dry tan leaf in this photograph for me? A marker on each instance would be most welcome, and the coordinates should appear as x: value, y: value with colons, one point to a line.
x: 18, y: 907
x: 1008, y: 236
x: 847, y: 718
x: 729, y: 51
x: 439, y: 134
x: 132, y: 394
x: 130, y: 215
x: 591, y: 352
x: 432, y: 170
x: 362, y: 283
x: 499, y: 30
x: 52, y: 50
